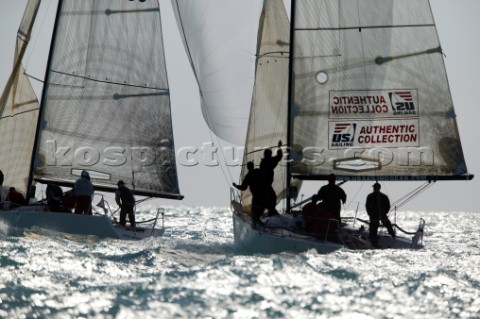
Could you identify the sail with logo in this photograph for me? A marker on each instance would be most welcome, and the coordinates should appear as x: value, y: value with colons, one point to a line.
x: 369, y: 83
x: 354, y: 88
x: 105, y: 109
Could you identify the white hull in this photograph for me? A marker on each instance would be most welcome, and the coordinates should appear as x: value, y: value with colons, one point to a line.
x: 17, y: 221
x: 278, y: 239
x: 266, y: 240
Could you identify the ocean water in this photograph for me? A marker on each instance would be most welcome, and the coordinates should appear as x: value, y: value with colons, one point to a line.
x: 195, y: 271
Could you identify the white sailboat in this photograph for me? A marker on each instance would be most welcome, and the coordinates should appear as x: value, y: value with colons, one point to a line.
x: 354, y: 88
x: 105, y: 108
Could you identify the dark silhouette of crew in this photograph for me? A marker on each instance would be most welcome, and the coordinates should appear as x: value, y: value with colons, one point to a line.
x: 267, y: 167
x: 378, y: 206
x: 54, y: 197
x: 317, y: 218
x: 126, y: 201
x: 15, y: 197
x: 2, y: 178
x: 310, y: 215
x: 57, y: 201
x: 255, y: 182
x: 332, y: 197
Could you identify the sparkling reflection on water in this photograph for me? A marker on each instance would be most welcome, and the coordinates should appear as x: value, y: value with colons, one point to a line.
x: 195, y: 271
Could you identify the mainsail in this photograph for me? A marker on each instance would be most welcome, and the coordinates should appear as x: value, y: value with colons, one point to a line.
x: 106, y: 103
x: 19, y: 111
x: 371, y: 98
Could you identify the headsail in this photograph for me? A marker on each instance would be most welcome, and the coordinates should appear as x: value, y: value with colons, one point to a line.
x: 371, y: 95
x: 19, y: 111
x: 220, y: 40
x: 268, y: 115
x: 106, y: 105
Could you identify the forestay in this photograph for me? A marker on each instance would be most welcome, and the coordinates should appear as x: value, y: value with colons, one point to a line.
x: 371, y: 96
x: 106, y: 106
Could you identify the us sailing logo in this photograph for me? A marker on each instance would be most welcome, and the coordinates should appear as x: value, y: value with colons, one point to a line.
x: 402, y: 103
x: 344, y: 134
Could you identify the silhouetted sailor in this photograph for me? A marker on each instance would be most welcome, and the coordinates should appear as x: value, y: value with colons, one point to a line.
x: 378, y: 206
x: 267, y: 167
x: 332, y: 197
x: 54, y: 197
x: 15, y: 197
x: 254, y: 180
x: 126, y: 201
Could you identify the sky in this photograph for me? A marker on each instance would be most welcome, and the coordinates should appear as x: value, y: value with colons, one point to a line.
x: 203, y: 185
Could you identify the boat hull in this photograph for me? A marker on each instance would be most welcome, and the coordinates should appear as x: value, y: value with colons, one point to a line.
x: 270, y: 241
x: 15, y: 222
x: 273, y: 240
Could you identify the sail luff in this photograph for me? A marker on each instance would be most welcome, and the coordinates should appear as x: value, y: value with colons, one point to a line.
x: 30, y: 191
x: 291, y: 90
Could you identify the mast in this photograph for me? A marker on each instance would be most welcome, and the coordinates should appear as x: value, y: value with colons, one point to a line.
x: 290, y: 98
x: 42, y: 106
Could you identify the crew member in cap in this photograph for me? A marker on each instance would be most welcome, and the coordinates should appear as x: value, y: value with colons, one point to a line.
x: 378, y: 206
x: 83, y: 192
x: 126, y: 201
x: 332, y: 197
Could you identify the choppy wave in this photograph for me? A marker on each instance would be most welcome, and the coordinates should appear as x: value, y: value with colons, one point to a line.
x: 195, y: 271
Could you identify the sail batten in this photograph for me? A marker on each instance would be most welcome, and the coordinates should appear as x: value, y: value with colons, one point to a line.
x: 360, y: 27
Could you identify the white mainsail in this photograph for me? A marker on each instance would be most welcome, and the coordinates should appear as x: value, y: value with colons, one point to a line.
x: 106, y: 105
x: 19, y: 111
x: 371, y: 97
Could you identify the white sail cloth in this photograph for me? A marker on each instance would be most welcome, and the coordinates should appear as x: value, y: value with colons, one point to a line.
x: 107, y: 101
x: 19, y: 111
x: 220, y: 38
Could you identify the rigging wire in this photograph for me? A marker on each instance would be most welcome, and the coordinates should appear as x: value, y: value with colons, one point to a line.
x: 32, y: 46
x: 412, y: 194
